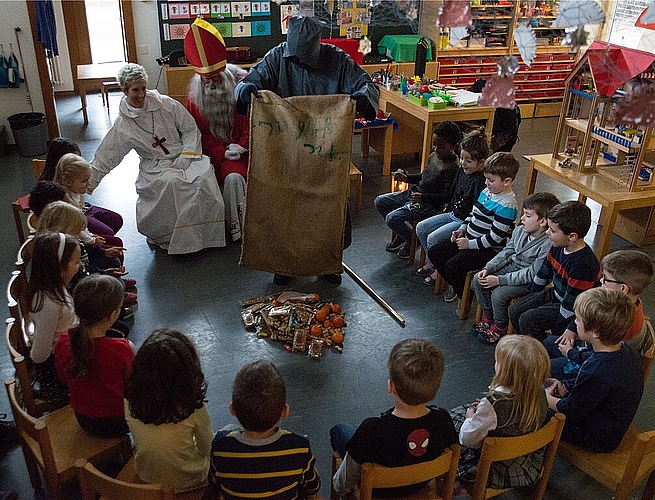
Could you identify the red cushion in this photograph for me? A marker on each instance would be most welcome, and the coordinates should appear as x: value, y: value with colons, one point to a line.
x: 348, y: 45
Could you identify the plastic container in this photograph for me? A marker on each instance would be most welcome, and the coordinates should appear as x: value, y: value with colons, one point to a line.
x: 30, y: 133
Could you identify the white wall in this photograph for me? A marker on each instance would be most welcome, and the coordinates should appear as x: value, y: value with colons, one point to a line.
x: 146, y: 25
x: 14, y: 14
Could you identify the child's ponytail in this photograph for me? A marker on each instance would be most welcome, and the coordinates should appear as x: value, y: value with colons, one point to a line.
x: 96, y: 297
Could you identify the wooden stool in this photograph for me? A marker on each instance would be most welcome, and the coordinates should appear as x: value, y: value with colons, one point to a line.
x: 356, y: 176
x: 106, y: 88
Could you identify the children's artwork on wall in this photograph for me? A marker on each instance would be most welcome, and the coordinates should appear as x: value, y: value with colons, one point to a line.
x: 287, y: 11
x: 261, y: 28
x: 240, y: 9
x: 221, y: 10
x: 178, y: 10
x: 241, y: 29
x: 225, y: 29
x: 179, y: 31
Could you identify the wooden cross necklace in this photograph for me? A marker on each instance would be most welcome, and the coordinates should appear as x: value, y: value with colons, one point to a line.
x: 158, y: 142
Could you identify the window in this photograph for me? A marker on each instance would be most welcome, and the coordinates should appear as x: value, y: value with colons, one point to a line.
x: 105, y: 30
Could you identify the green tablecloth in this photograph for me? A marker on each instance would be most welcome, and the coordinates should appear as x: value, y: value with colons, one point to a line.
x: 401, y: 48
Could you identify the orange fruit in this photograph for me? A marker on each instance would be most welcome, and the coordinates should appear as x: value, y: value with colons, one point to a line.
x: 326, y: 308
x: 338, y: 322
x: 315, y: 331
x: 320, y: 316
x: 337, y: 337
x: 327, y: 324
x: 336, y: 308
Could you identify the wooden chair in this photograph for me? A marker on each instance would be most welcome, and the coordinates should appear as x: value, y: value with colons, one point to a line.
x: 355, y: 175
x: 128, y: 475
x: 440, y: 472
x: 505, y: 448
x: 20, y: 206
x: 94, y: 483
x: 38, y: 166
x: 55, y: 441
x: 648, y: 355
x: 465, y: 304
x: 106, y: 89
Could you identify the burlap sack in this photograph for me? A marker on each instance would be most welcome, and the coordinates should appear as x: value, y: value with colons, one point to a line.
x: 297, y: 184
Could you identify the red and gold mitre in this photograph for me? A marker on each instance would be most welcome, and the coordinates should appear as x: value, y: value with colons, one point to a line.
x: 205, y: 49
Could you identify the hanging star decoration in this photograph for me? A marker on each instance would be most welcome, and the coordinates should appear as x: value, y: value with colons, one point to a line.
x: 577, y: 12
x: 454, y: 13
x: 648, y: 16
x: 526, y: 42
x: 411, y: 13
x: 636, y: 107
x: 499, y: 90
x: 575, y: 38
x: 457, y: 33
x: 365, y: 45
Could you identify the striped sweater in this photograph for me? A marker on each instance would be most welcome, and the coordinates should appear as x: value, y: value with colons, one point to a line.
x: 491, y: 221
x: 571, y: 274
x: 280, y: 467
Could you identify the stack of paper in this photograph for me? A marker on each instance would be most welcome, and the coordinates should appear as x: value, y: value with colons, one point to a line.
x: 464, y: 98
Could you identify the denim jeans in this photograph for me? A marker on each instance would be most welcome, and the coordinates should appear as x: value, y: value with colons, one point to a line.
x: 495, y: 301
x: 340, y: 434
x: 398, y: 209
x: 437, y: 229
x: 535, y: 313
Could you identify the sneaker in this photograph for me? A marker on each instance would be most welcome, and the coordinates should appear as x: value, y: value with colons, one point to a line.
x: 126, y: 313
x: 479, y: 328
x: 424, y: 272
x: 333, y: 279
x: 403, y: 253
x: 129, y: 283
x: 395, y: 245
x: 129, y: 299
x: 281, y: 279
x: 491, y: 335
x: 450, y: 294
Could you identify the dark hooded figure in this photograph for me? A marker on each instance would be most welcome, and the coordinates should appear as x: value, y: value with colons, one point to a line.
x: 304, y: 66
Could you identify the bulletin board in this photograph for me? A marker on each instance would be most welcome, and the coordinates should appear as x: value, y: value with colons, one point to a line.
x: 260, y: 24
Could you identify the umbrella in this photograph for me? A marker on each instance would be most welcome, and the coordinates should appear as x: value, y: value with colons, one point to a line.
x: 647, y: 18
x: 613, y: 65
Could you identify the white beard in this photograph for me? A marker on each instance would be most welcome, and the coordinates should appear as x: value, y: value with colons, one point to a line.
x: 216, y: 104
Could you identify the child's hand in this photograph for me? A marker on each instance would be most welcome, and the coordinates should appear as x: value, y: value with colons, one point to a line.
x: 462, y: 243
x: 470, y: 411
x: 400, y: 175
x: 415, y: 196
x: 455, y: 235
x: 564, y: 349
x: 116, y: 272
x: 482, y: 274
x: 114, y: 252
x: 556, y: 388
x: 567, y: 338
x: 99, y: 240
x: 489, y: 281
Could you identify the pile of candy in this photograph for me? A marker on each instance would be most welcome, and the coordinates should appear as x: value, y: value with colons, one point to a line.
x: 302, y: 321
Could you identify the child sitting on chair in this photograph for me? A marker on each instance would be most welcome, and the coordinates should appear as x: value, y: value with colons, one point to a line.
x: 409, y: 433
x: 601, y: 402
x: 431, y: 190
x: 507, y: 275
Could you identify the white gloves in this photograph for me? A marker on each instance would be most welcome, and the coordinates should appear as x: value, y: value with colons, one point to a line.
x: 234, y: 151
x: 182, y: 163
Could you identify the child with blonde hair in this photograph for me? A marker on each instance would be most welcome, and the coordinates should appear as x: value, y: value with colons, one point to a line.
x: 466, y: 187
x: 515, y: 404
x: 93, y: 364
x: 73, y: 172
x: 64, y: 217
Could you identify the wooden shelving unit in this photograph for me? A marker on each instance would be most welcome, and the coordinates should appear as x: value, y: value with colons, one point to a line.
x: 540, y: 87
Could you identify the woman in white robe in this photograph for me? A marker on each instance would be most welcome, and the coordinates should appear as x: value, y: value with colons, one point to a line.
x: 180, y: 207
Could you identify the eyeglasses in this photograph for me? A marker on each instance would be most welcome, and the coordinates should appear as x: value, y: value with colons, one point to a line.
x: 607, y: 280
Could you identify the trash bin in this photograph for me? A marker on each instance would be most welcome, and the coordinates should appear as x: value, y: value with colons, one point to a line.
x: 30, y: 133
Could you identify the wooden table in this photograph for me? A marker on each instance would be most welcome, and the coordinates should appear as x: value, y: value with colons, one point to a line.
x: 94, y: 75
x: 380, y: 137
x: 599, y: 188
x: 415, y: 123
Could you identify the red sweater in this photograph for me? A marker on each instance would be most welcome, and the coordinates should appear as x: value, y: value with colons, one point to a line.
x: 100, y: 393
